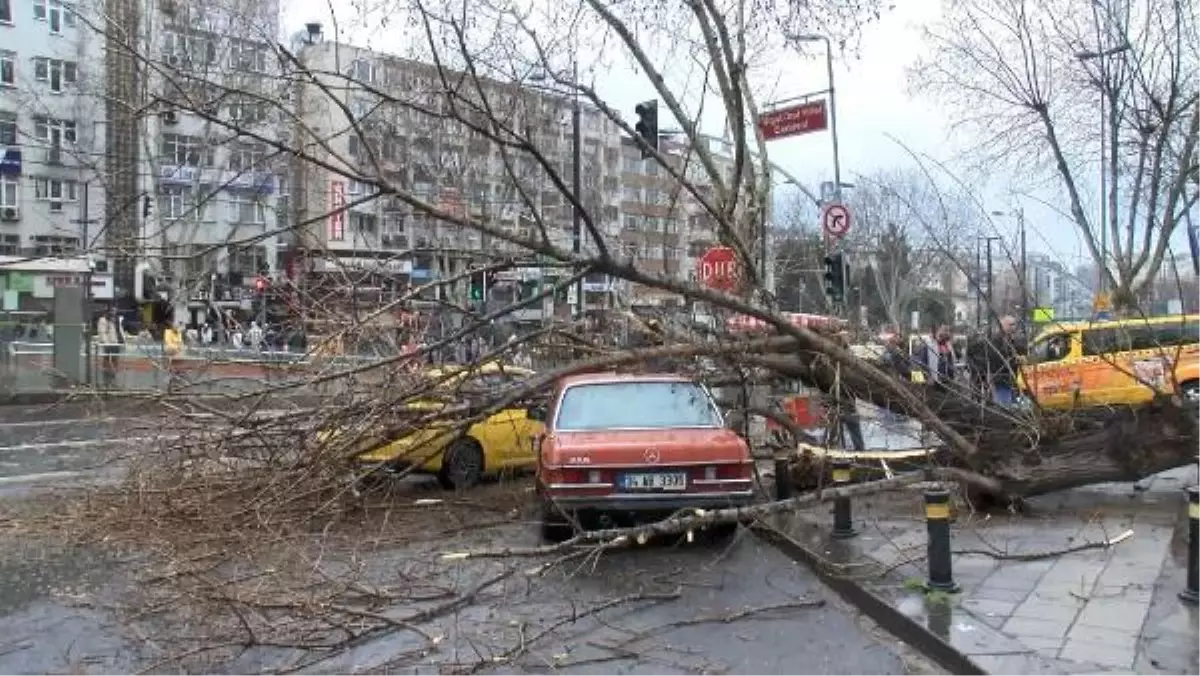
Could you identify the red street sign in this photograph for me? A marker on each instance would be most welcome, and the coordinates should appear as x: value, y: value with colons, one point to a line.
x: 835, y: 219
x: 718, y: 269
x: 794, y: 120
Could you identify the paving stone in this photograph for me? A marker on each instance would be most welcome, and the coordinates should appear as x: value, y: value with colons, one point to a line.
x: 1048, y: 610
x: 1098, y: 653
x: 1020, y: 627
x: 1044, y: 645
x: 988, y: 593
x: 1133, y: 572
x: 1082, y: 573
x: 1114, y: 614
x: 979, y: 606
x: 1023, y: 664
x: 1103, y: 635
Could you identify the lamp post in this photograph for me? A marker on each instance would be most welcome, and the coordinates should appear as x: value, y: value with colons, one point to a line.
x: 1084, y: 57
x: 837, y: 163
x: 1019, y: 213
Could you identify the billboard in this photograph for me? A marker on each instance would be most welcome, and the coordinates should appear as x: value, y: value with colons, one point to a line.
x: 337, y: 211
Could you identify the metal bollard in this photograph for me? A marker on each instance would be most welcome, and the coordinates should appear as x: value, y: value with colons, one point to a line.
x: 937, y: 524
x: 783, y: 479
x: 1192, y: 592
x: 843, y: 527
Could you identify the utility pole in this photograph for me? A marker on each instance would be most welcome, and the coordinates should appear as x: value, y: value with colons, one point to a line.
x: 978, y: 284
x: 576, y: 180
x: 1024, y: 274
x: 84, y: 222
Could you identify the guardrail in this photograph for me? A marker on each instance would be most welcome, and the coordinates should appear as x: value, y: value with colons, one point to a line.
x: 28, y: 367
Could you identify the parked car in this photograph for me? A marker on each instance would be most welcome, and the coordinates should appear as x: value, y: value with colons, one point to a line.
x: 501, y: 442
x: 629, y: 448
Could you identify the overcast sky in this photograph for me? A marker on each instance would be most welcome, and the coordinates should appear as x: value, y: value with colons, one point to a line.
x: 873, y: 103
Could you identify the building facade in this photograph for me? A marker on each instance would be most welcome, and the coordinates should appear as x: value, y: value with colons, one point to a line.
x: 52, y: 125
x: 411, y: 137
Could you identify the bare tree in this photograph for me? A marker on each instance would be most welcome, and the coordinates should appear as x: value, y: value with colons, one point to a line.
x: 1024, y: 78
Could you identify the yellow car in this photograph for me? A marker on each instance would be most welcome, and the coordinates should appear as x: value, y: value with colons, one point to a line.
x: 504, y: 441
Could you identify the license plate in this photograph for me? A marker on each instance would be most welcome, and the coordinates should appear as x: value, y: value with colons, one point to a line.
x: 658, y: 481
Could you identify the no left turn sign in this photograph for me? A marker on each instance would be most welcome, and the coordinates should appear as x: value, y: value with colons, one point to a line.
x: 835, y: 219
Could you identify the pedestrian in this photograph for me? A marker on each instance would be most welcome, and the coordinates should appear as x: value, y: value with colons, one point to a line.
x: 255, y: 336
x: 996, y: 360
x: 172, y: 350
x: 206, y: 334
x: 845, y: 408
x: 935, y: 357
x: 111, y: 339
x: 895, y: 360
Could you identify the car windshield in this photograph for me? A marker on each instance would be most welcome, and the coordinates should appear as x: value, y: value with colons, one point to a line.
x: 636, y: 405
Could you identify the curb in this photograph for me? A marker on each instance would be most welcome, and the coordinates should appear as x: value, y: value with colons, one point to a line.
x: 883, y: 613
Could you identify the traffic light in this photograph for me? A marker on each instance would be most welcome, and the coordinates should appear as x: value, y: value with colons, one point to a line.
x: 149, y: 285
x: 477, y: 286
x: 647, y: 125
x: 146, y: 202
x: 835, y: 277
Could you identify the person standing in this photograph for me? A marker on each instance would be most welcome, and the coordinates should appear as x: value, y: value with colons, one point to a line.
x: 172, y: 351
x: 111, y: 338
x: 935, y: 357
x: 1002, y: 362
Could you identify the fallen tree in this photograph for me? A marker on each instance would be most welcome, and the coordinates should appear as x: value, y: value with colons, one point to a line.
x: 1028, y: 452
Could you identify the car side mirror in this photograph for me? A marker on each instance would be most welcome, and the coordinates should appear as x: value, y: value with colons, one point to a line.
x: 537, y: 413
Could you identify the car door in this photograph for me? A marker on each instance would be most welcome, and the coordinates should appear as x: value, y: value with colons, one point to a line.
x: 1105, y: 370
x: 1051, y: 375
x: 497, y: 433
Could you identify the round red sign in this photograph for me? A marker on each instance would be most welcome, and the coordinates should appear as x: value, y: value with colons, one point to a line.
x: 718, y: 268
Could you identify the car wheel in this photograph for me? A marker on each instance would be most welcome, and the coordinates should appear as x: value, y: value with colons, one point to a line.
x: 722, y: 531
x: 552, y: 524
x: 462, y: 465
x: 1190, y: 391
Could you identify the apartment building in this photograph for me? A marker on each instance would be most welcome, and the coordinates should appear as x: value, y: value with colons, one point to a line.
x: 217, y: 188
x: 52, y: 120
x: 411, y: 137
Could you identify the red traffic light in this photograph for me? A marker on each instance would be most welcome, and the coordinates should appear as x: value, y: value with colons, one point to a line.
x: 260, y: 284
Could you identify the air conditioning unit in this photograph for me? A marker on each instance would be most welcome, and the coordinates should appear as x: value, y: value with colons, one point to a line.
x: 173, y: 60
x: 10, y: 214
x: 170, y: 117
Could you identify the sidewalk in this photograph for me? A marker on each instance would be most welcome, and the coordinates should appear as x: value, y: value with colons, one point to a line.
x: 1106, y: 610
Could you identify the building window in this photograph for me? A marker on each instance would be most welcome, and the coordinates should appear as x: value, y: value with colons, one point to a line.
x: 190, y: 151
x: 8, y: 129
x: 190, y: 49
x: 248, y: 57
x: 633, y: 194
x: 248, y: 112
x: 8, y: 68
x: 55, y: 190
x: 57, y: 72
x: 363, y: 71
x: 364, y: 223
x: 245, y: 207
x: 247, y: 156
x: 5, y: 11
x: 179, y: 202
x: 9, y: 189
x: 54, y: 132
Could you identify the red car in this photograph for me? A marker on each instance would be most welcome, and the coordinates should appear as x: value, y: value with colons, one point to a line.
x: 621, y: 448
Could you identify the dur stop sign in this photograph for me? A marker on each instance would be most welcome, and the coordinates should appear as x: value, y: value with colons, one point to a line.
x: 718, y: 269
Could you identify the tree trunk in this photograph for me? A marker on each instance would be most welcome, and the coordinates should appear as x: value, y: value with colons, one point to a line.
x: 1037, y: 451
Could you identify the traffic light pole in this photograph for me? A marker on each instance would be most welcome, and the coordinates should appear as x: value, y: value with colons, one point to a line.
x: 576, y: 181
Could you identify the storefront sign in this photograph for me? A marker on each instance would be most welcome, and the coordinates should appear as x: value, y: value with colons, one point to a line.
x: 44, y: 285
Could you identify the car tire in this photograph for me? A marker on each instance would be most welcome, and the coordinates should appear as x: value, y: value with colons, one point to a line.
x: 462, y: 465
x: 553, y: 526
x: 722, y: 532
x: 1190, y: 391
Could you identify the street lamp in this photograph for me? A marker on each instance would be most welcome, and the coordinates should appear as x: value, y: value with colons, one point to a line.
x: 576, y: 178
x: 1019, y: 213
x: 837, y: 163
x: 1085, y: 56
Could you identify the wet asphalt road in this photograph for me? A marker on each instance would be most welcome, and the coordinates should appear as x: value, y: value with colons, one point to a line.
x: 53, y: 599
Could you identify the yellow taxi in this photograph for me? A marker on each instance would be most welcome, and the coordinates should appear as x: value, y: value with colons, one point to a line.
x: 503, y: 441
x: 1120, y: 361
